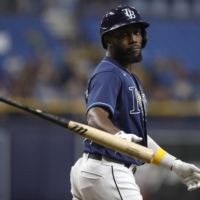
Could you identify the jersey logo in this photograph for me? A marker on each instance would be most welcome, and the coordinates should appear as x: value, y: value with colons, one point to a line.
x: 129, y: 13
x: 136, y: 101
x: 139, y: 102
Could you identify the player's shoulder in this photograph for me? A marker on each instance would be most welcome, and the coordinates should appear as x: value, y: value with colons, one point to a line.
x: 105, y: 66
x: 108, y: 65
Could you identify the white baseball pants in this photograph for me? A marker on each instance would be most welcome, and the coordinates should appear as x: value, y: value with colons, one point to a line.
x: 102, y: 180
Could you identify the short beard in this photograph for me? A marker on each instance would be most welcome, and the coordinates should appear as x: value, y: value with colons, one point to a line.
x: 124, y: 57
x: 133, y: 59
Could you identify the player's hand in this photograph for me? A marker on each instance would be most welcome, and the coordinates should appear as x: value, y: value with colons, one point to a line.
x: 130, y: 137
x: 189, y: 174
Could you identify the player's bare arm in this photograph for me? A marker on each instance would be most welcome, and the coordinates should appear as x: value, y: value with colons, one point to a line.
x: 98, y: 117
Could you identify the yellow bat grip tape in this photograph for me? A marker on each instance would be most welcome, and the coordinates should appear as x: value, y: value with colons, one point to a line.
x: 159, y: 156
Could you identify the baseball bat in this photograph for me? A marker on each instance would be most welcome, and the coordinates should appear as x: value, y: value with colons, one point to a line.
x: 100, y: 137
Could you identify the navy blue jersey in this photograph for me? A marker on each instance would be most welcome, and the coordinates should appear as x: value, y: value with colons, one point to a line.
x: 111, y: 86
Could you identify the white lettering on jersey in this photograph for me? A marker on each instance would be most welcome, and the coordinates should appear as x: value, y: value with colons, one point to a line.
x: 135, y: 109
x: 138, y: 100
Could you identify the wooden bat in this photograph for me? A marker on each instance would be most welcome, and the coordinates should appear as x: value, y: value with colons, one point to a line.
x: 100, y: 137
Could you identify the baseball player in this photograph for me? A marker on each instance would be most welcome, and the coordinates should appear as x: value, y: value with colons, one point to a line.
x: 116, y: 103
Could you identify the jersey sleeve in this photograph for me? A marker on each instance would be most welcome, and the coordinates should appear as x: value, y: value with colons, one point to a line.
x: 103, y: 90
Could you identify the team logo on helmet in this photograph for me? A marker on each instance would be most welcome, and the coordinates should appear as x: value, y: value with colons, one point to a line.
x: 129, y: 13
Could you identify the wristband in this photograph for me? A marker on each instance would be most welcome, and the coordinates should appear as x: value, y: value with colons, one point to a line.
x: 159, y: 156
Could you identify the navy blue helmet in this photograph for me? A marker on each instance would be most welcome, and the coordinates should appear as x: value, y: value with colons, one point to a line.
x: 121, y: 16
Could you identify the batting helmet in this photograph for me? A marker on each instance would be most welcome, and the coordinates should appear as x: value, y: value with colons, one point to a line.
x: 122, y: 16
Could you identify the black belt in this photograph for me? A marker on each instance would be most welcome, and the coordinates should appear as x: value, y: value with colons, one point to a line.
x: 99, y: 157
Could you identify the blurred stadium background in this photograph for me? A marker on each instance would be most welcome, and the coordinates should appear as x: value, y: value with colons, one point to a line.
x: 48, y: 50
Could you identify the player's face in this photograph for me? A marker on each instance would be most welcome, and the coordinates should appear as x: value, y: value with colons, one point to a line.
x: 126, y: 43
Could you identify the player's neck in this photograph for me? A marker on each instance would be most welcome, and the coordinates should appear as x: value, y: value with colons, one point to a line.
x: 127, y: 66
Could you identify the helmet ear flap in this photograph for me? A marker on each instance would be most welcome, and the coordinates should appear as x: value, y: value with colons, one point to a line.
x: 144, y: 38
x: 104, y: 41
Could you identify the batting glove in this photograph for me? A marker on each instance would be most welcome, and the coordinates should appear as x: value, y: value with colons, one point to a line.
x: 130, y: 137
x: 189, y: 174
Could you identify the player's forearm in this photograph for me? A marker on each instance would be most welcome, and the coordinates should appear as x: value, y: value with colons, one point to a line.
x: 98, y: 118
x: 161, y: 158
